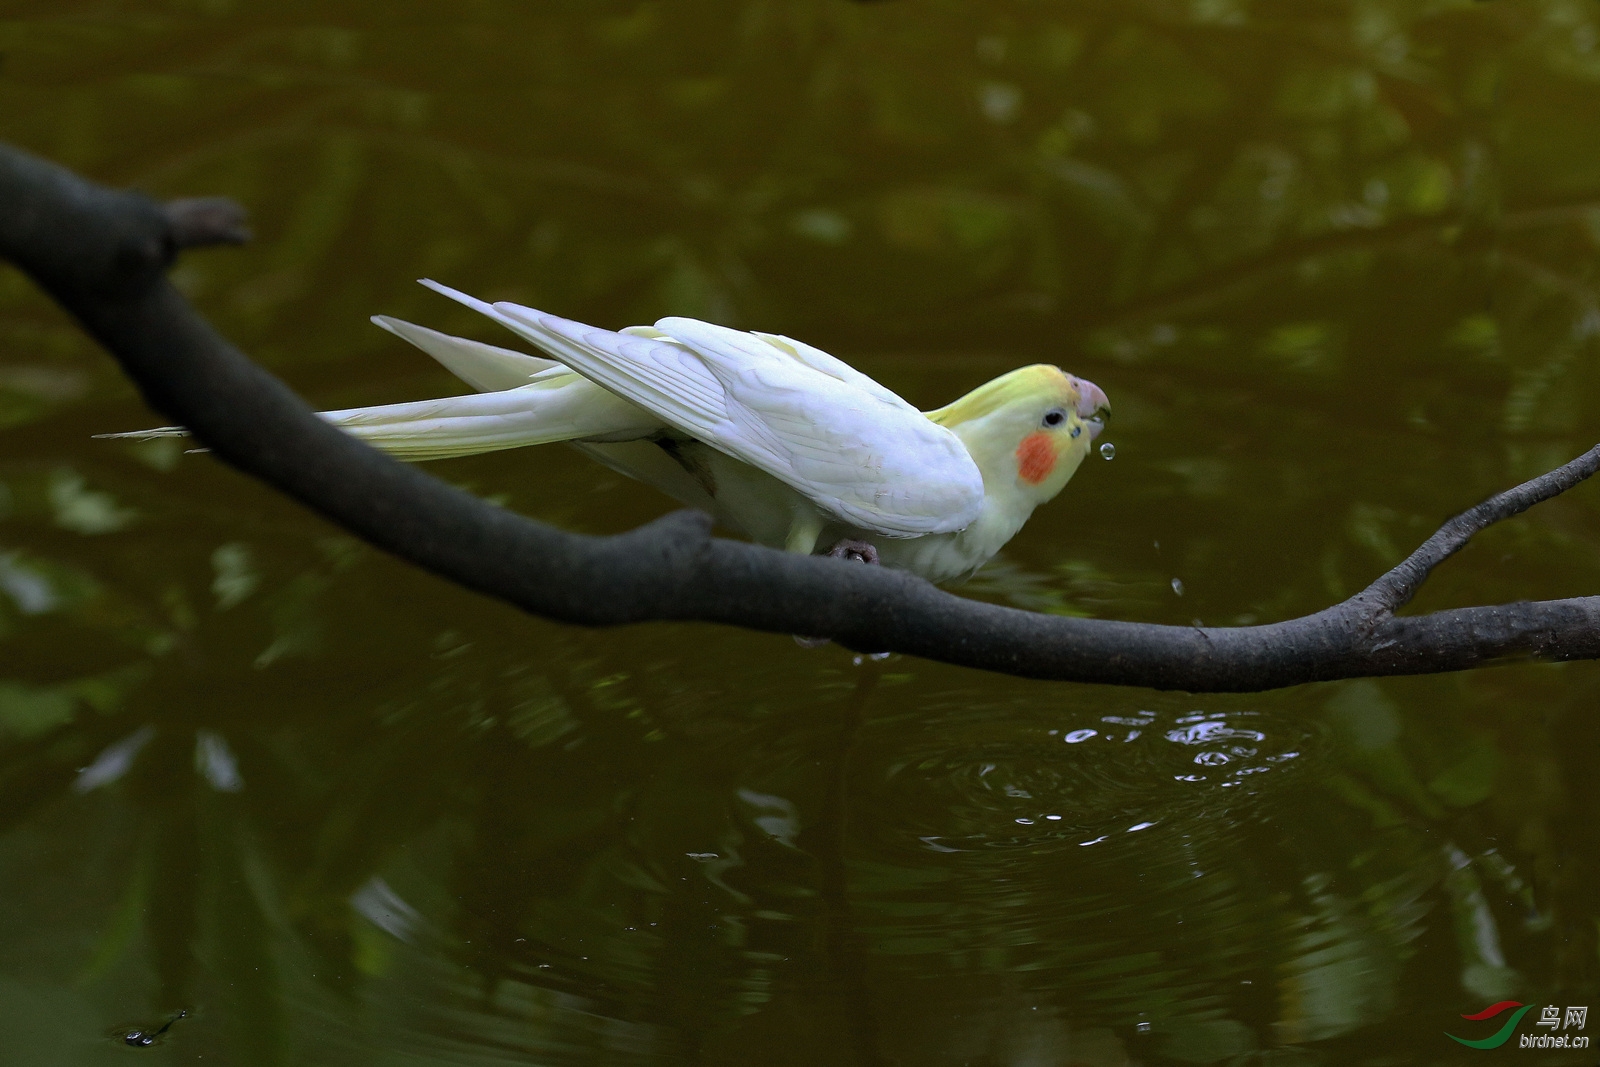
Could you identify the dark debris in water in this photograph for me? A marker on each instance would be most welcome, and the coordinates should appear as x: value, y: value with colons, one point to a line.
x: 138, y: 1038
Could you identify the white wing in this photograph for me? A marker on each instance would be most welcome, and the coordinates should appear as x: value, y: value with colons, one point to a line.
x: 853, y: 447
x: 818, y: 360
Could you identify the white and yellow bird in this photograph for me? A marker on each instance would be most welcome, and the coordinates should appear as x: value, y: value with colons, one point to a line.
x: 773, y: 437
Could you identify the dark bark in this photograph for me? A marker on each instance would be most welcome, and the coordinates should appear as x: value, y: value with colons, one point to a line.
x: 103, y: 255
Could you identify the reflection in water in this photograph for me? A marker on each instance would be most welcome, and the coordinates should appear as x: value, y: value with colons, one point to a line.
x: 113, y: 762
x: 1335, y: 262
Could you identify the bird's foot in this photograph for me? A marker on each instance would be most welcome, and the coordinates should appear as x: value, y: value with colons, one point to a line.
x: 860, y: 551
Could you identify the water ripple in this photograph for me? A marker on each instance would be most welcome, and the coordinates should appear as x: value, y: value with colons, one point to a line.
x: 987, y: 783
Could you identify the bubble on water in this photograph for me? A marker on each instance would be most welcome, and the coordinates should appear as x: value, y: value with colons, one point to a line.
x: 1177, y: 586
x: 1108, y: 451
x: 146, y: 1038
x: 1201, y: 729
x: 966, y: 787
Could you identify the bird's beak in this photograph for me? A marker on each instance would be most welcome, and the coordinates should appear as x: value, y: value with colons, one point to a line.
x: 1093, y: 407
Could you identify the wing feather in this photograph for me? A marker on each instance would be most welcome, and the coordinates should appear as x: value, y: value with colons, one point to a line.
x: 853, y: 447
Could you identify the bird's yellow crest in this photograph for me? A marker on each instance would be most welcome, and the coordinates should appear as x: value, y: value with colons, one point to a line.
x: 1024, y: 383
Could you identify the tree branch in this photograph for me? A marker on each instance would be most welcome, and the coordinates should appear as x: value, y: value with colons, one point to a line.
x: 103, y: 255
x: 1395, y: 589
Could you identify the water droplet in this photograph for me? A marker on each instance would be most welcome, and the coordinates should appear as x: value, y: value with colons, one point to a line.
x: 1079, y: 736
x: 1177, y: 586
x: 1108, y: 451
x: 1143, y: 1028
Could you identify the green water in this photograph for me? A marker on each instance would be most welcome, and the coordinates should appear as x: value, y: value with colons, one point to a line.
x: 1334, y: 261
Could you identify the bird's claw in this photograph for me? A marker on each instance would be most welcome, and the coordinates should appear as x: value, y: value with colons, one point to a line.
x: 860, y: 551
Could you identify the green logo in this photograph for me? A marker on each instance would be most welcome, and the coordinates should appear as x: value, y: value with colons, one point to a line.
x: 1501, y: 1036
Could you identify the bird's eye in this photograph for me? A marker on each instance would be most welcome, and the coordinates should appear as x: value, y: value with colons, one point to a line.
x: 1055, y: 418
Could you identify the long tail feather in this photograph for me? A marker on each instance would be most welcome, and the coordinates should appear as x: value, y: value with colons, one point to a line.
x: 484, y: 367
x: 522, y: 400
x: 143, y: 435
x: 563, y: 407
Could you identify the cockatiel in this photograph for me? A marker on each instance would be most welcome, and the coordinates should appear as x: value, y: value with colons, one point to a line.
x: 773, y: 437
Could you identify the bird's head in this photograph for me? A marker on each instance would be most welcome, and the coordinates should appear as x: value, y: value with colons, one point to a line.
x: 1028, y: 430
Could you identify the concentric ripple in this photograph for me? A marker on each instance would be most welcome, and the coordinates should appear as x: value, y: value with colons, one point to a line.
x: 971, y: 783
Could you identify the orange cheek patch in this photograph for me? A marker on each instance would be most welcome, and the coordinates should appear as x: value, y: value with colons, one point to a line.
x: 1036, y: 458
